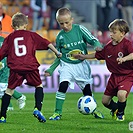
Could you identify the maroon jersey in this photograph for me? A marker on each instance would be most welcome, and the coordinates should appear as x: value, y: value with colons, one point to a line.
x: 111, y: 52
x: 20, y: 47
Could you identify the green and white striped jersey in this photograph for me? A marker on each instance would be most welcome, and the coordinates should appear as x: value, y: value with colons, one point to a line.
x: 75, y: 41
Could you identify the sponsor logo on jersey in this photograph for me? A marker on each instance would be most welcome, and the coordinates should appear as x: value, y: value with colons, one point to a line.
x: 109, y: 56
x: 71, y: 53
x: 120, y: 55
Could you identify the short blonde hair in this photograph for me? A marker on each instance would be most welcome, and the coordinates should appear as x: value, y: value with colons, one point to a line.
x: 63, y: 11
x: 19, y: 19
x: 119, y: 24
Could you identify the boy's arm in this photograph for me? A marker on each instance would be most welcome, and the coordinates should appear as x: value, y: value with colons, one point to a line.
x: 58, y: 54
x: 92, y: 40
x: 83, y: 57
x: 97, y: 45
x: 51, y: 69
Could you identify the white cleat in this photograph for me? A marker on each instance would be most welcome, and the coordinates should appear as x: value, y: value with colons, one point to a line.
x: 10, y: 109
x: 21, y: 102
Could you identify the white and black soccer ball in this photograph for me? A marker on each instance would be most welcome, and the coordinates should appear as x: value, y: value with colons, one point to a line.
x: 86, y: 105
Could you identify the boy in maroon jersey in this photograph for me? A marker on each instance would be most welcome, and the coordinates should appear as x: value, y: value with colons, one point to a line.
x: 118, y: 54
x: 19, y: 48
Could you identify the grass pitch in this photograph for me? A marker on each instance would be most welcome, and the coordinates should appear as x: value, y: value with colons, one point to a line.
x: 22, y: 121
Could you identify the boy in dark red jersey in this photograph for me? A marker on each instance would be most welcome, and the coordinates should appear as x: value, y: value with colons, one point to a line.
x: 19, y: 48
x: 118, y: 54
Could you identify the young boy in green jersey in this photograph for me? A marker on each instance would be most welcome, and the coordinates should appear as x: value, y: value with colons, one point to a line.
x: 4, y: 74
x: 72, y: 39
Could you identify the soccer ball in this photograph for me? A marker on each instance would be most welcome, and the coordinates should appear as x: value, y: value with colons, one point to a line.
x: 86, y: 105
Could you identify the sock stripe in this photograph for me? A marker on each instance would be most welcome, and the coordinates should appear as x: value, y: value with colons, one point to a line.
x: 60, y: 95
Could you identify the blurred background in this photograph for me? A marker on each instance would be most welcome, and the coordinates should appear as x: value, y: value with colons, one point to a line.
x: 95, y: 15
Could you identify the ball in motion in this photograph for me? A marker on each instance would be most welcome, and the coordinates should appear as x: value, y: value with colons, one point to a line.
x: 86, y: 105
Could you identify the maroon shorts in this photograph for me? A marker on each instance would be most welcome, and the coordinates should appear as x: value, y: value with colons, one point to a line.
x: 119, y: 82
x: 17, y: 78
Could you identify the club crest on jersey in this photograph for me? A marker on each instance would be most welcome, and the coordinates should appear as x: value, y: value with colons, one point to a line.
x: 71, y: 53
x: 120, y: 55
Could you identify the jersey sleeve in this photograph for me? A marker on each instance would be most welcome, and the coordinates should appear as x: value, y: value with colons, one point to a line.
x: 100, y: 55
x: 51, y: 69
x: 89, y: 38
x: 42, y: 43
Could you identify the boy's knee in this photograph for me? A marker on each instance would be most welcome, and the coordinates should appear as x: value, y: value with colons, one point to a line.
x: 9, y: 91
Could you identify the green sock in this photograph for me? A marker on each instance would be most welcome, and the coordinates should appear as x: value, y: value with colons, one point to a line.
x: 16, y: 94
x: 60, y: 98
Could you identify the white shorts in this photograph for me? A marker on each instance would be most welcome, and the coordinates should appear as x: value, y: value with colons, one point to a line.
x: 3, y: 87
x: 76, y: 73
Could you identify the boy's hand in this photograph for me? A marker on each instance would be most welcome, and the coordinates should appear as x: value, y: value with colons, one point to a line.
x: 98, y: 49
x: 120, y: 60
x: 46, y: 74
x: 59, y: 55
x: 79, y: 56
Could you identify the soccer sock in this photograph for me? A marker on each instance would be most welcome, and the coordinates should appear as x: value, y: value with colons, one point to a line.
x: 60, y: 98
x: 16, y: 94
x: 4, y: 105
x: 87, y: 90
x: 113, y: 106
x: 121, y: 108
x: 39, y: 98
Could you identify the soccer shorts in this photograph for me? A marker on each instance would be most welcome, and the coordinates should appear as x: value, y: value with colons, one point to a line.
x: 76, y: 73
x: 119, y: 82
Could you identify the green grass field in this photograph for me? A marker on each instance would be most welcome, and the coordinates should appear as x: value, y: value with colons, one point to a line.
x: 22, y: 121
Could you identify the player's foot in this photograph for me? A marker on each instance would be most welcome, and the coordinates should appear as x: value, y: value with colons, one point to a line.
x: 10, y: 109
x: 55, y: 116
x: 120, y: 118
x: 98, y: 114
x: 21, y: 102
x: 114, y: 114
x: 39, y: 115
x: 2, y: 120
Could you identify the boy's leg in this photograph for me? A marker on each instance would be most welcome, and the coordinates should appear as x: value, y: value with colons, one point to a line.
x: 38, y: 104
x: 10, y: 107
x: 5, y: 103
x: 110, y: 104
x: 87, y: 91
x: 21, y: 99
x: 17, y: 94
x: 60, y: 98
x: 120, y: 113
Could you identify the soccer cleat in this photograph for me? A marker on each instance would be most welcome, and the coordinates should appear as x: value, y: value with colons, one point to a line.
x: 120, y: 118
x: 114, y: 114
x: 55, y: 116
x: 2, y: 120
x: 39, y: 115
x: 21, y: 102
x: 98, y: 114
x: 10, y: 109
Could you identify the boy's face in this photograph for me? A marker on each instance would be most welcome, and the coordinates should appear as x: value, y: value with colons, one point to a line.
x: 65, y: 22
x: 116, y: 35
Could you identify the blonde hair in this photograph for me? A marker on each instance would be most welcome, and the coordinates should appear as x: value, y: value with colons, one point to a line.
x: 19, y: 19
x: 63, y: 11
x: 119, y: 24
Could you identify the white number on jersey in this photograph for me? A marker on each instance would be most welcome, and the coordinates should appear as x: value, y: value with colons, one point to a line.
x: 18, y: 47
